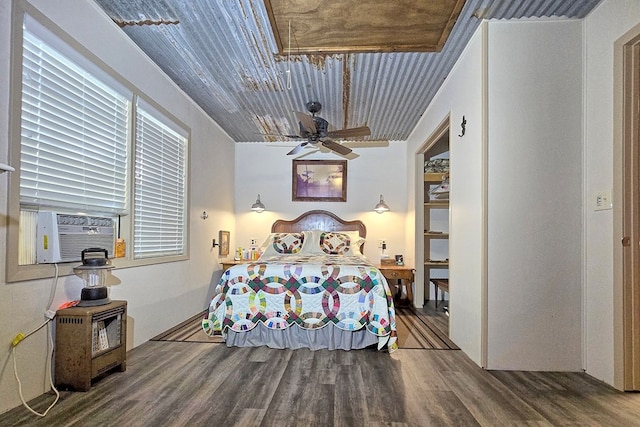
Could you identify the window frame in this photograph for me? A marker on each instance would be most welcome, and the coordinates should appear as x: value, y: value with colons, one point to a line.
x: 16, y: 272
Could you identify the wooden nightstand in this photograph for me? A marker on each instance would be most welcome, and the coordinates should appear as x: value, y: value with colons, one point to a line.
x: 228, y: 263
x: 401, y: 273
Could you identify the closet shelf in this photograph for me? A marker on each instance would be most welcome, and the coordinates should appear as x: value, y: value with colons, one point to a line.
x: 434, y: 176
x: 437, y: 203
x: 436, y: 264
x: 436, y: 235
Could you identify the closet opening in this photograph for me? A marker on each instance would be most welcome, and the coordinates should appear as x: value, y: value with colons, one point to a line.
x: 432, y: 226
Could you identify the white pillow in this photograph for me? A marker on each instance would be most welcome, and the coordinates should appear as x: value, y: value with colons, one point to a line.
x: 283, y: 243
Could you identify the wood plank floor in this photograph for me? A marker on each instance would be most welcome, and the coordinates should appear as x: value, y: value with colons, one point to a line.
x: 437, y: 316
x: 207, y: 384
x: 425, y: 328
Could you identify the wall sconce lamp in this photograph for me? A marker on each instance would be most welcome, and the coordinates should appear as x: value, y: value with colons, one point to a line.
x: 381, y: 206
x: 258, y: 206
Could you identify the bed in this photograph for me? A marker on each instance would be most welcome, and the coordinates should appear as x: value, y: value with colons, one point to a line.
x: 311, y: 288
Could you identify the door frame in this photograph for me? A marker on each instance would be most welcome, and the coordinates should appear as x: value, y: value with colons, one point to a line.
x: 626, y: 212
x: 421, y: 288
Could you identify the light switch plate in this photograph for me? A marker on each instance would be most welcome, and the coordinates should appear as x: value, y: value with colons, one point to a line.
x: 603, y: 200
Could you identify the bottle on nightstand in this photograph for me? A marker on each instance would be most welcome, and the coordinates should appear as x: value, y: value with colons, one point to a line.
x: 385, y: 259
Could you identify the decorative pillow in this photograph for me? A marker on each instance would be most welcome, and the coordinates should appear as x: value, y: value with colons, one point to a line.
x: 356, y: 240
x: 335, y: 243
x: 283, y: 243
x: 288, y: 243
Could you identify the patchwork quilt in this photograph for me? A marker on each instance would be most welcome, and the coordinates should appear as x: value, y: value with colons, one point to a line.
x: 306, y: 291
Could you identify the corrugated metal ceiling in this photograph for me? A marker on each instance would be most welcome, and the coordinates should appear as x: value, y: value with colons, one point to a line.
x: 222, y: 53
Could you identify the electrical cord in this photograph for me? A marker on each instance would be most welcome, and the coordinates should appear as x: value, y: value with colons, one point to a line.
x: 50, y: 314
x: 54, y: 289
x: 15, y: 368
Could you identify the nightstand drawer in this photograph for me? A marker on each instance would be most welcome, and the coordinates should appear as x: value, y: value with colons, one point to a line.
x: 398, y: 274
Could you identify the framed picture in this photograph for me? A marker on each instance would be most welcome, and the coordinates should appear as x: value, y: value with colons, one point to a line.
x: 319, y: 180
x: 224, y: 242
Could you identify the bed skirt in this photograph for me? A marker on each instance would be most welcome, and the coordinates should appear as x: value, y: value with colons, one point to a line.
x: 294, y: 337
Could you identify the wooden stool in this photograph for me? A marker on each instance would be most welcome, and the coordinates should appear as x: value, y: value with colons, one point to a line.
x: 440, y: 283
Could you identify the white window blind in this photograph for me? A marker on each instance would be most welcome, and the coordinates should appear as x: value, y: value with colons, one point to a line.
x: 160, y: 186
x: 74, y: 133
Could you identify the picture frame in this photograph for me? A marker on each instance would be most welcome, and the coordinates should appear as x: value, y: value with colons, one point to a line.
x: 225, y: 238
x: 319, y: 181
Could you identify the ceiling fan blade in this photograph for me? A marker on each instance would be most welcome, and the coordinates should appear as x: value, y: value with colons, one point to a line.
x: 350, y: 133
x: 365, y: 143
x: 334, y: 146
x: 297, y: 148
x: 308, y: 152
x: 307, y: 123
x: 280, y: 134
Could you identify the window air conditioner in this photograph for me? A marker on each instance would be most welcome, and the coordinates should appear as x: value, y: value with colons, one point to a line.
x: 62, y: 237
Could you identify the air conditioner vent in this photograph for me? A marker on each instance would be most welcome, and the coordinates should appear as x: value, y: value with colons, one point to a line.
x: 62, y: 237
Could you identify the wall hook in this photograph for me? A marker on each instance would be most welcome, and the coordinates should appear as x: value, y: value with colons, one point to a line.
x: 214, y: 244
x: 463, y: 125
x: 204, y: 215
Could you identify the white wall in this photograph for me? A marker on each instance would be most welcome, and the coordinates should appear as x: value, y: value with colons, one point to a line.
x: 159, y: 296
x: 534, y: 195
x: 608, y: 22
x: 461, y: 94
x: 265, y: 169
x: 532, y: 108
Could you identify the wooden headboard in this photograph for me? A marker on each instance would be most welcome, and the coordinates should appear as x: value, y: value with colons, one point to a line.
x: 318, y: 220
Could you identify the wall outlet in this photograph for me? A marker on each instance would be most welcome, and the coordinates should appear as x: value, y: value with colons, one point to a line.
x: 381, y: 242
x: 254, y: 241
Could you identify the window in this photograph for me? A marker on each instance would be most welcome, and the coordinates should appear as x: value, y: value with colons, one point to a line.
x: 74, y: 133
x: 78, y: 130
x: 159, y: 186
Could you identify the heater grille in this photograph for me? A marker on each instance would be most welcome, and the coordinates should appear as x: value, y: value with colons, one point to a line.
x: 70, y: 320
x: 108, y: 313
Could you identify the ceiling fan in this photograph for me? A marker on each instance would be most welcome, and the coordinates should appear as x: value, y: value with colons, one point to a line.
x: 316, y: 131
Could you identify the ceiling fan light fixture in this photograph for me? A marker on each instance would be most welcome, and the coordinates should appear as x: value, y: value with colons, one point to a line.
x: 381, y: 206
x: 258, y: 206
x: 316, y: 131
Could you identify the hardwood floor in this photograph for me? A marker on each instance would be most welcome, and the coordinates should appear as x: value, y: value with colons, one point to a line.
x: 205, y: 384
x: 436, y: 315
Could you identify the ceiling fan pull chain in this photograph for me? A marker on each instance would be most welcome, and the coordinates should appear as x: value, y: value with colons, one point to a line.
x: 289, y: 60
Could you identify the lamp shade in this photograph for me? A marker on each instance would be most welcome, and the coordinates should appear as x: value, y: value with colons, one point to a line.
x: 258, y: 206
x: 381, y: 206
